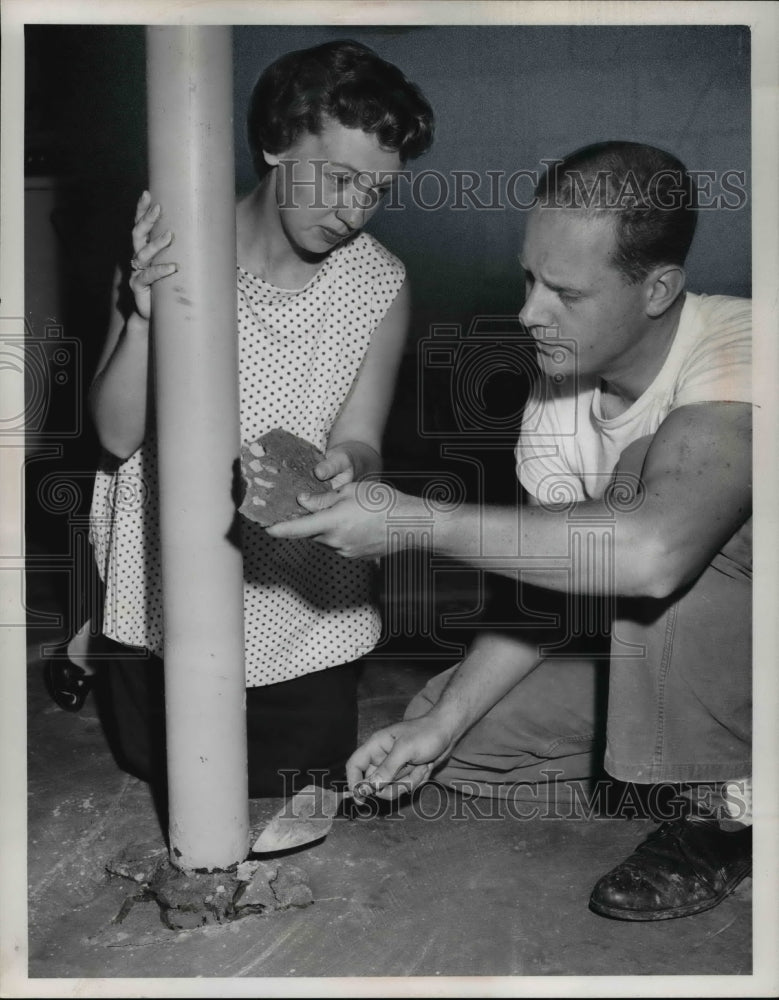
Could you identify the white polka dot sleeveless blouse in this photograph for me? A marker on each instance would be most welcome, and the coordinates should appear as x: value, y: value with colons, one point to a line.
x: 305, y: 608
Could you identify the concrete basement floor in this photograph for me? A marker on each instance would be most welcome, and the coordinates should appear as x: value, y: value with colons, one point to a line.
x: 399, y: 895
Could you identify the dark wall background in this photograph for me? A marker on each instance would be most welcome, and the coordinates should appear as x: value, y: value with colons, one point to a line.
x: 505, y: 98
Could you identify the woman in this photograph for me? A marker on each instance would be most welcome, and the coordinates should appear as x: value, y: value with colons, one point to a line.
x: 322, y: 318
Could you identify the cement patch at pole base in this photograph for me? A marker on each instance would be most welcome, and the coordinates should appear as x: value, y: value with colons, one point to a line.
x: 186, y: 900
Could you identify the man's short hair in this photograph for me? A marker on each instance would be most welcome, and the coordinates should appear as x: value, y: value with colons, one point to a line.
x: 648, y: 191
x: 341, y: 81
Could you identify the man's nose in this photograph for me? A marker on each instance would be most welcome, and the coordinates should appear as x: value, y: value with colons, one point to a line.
x: 537, y: 311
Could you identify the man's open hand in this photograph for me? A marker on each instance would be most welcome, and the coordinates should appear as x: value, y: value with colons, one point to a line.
x: 357, y: 523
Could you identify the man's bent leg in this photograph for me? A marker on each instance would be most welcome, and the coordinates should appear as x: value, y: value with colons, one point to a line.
x: 548, y: 728
x: 681, y: 712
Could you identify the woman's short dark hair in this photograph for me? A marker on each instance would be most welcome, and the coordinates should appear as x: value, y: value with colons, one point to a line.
x: 343, y: 81
x: 649, y: 192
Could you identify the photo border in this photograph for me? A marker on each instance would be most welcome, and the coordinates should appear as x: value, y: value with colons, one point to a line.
x: 763, y: 18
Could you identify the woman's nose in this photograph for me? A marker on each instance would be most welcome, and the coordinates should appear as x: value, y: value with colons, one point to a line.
x: 355, y: 209
x: 352, y: 216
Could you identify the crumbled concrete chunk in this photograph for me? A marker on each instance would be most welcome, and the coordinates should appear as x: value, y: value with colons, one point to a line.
x: 287, y: 463
x: 186, y: 900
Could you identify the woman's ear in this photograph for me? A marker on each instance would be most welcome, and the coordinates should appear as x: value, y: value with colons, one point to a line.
x: 664, y: 287
x: 272, y: 159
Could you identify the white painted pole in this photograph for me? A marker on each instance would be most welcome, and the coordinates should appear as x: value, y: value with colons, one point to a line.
x: 189, y: 76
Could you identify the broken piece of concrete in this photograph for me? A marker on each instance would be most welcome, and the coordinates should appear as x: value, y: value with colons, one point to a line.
x: 272, y: 887
x: 291, y: 888
x: 194, y: 899
x: 138, y: 862
x: 276, y: 468
x: 255, y: 895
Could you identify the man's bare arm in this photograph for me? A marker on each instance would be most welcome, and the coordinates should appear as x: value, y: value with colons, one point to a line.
x: 693, y: 492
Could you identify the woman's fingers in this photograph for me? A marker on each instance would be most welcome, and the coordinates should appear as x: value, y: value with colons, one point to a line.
x: 145, y: 255
x: 144, y: 270
x: 144, y: 226
x: 143, y: 206
x: 146, y: 217
x: 148, y: 275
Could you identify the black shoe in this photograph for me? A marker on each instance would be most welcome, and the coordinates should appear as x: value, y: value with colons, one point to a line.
x: 67, y: 684
x: 683, y: 867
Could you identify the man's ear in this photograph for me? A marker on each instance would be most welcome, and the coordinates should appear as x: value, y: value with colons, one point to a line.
x: 663, y: 287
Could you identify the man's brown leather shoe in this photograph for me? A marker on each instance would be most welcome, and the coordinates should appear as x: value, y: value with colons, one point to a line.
x: 684, y: 867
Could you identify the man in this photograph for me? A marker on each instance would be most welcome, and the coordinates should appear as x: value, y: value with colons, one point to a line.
x: 641, y: 423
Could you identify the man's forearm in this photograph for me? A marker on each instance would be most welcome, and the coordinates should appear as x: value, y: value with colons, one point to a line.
x: 586, y: 548
x: 494, y: 664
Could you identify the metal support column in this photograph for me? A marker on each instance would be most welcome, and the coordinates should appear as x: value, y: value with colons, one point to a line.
x: 189, y: 75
